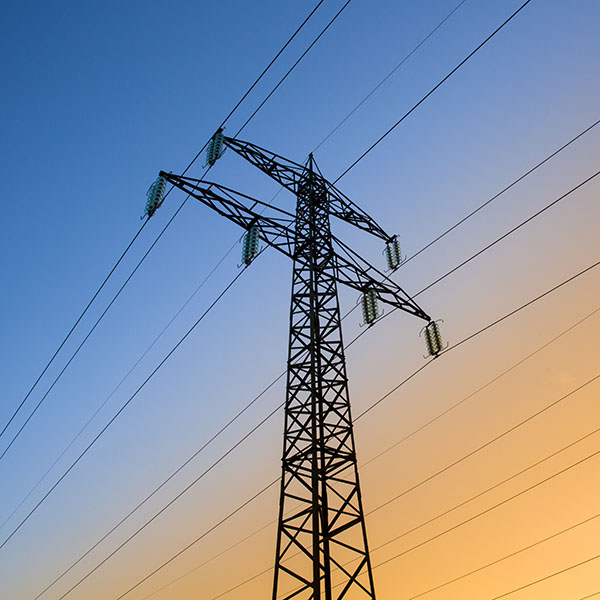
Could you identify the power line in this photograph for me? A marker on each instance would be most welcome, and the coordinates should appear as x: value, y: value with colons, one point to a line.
x: 115, y: 389
x: 505, y: 372
x: 471, y: 258
x: 511, y: 231
x: 470, y: 337
x: 223, y: 123
x: 500, y: 193
x: 481, y: 388
x: 433, y: 90
x: 389, y: 75
x: 256, y: 81
x: 331, y: 22
x: 484, y: 204
x: 229, y: 516
x: 139, y: 231
x: 531, y: 583
x: 485, y: 445
x: 396, y: 538
x: 169, y: 478
x: 456, y: 268
x: 269, y: 524
x: 157, y: 514
x: 452, y: 347
x: 98, y: 320
x: 521, y: 472
x: 511, y: 555
x: 491, y: 508
x: 162, y: 362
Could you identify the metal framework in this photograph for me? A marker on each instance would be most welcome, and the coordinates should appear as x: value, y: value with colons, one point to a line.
x: 321, y: 550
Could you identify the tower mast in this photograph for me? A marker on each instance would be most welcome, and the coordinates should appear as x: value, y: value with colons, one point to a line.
x: 321, y: 550
x: 321, y: 525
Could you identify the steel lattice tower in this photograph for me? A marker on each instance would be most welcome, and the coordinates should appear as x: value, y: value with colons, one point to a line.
x: 321, y: 550
x: 320, y: 509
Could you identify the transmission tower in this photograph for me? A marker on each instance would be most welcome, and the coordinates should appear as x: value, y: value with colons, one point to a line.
x: 321, y: 550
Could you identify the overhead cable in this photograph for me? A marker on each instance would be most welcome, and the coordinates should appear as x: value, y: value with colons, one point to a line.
x: 550, y: 576
x: 419, y: 429
x: 475, y: 334
x: 507, y: 556
x: 514, y: 14
x: 389, y: 75
x: 122, y: 408
x: 191, y: 163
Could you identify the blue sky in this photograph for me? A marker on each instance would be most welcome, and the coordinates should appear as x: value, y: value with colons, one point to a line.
x: 98, y: 98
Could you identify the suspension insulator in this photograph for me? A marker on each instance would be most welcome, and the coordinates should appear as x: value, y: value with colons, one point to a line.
x: 155, y: 195
x: 433, y: 338
x: 214, y: 151
x: 370, y: 307
x: 250, y: 245
x: 392, y: 254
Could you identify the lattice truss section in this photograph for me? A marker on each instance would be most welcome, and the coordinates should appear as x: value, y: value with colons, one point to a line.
x: 322, y: 544
x: 322, y: 550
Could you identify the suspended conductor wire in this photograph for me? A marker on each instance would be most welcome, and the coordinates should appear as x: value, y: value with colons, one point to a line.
x: 116, y: 388
x: 546, y: 458
x: 464, y: 340
x: 223, y: 123
x: 331, y: 22
x: 486, y: 248
x: 191, y: 544
x: 416, y: 528
x: 197, y: 567
x: 481, y: 388
x: 476, y: 451
x: 452, y: 271
x: 171, y: 502
x: 389, y: 75
x: 545, y: 160
x: 98, y: 320
x: 419, y: 429
x: 490, y: 509
x: 438, y: 85
x: 506, y: 189
x: 506, y: 557
x: 139, y: 231
x: 565, y: 570
x: 129, y: 400
x: 314, y: 10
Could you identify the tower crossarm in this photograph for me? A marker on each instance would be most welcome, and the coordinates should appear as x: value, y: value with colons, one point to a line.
x: 277, y: 231
x: 291, y: 175
x: 357, y: 273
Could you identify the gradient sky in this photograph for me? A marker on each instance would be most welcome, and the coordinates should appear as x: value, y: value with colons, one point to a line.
x: 99, y: 97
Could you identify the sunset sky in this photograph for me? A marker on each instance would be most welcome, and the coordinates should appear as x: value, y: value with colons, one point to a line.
x: 99, y: 97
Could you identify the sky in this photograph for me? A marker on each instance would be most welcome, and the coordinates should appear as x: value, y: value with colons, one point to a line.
x: 98, y: 98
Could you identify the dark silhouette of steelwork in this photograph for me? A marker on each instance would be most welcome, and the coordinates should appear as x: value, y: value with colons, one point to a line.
x: 322, y: 549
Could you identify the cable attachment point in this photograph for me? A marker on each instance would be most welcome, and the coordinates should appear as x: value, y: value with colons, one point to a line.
x: 433, y: 338
x: 250, y: 245
x: 155, y: 195
x: 370, y: 307
x: 393, y: 254
x: 214, y: 151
